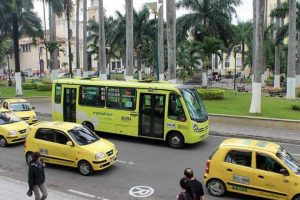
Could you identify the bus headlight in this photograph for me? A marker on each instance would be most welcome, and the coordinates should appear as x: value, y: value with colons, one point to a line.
x: 12, y: 133
x: 99, y: 156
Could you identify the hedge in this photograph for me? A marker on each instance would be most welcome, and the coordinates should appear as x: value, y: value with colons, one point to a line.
x: 296, y: 106
x: 211, y: 93
x: 29, y: 86
x: 44, y: 87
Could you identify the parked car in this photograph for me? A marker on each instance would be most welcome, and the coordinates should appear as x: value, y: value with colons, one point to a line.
x: 252, y: 167
x: 70, y: 144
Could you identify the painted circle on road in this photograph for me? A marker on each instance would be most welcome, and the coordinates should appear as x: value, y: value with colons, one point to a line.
x: 141, y: 191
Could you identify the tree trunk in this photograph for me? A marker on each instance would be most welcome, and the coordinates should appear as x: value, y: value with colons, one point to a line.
x: 129, y: 39
x: 291, y: 82
x: 171, y: 37
x: 102, y: 48
x: 53, y: 54
x: 298, y: 63
x: 15, y: 24
x: 45, y: 36
x: 258, y: 40
x: 243, y: 54
x: 161, y: 41
x: 277, y: 53
x: 78, y: 72
x: 69, y: 40
x: 84, y: 34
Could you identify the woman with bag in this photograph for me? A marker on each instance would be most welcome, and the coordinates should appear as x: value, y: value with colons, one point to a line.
x: 187, y: 192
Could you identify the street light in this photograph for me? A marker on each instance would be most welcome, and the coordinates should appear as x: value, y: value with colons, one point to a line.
x: 154, y: 7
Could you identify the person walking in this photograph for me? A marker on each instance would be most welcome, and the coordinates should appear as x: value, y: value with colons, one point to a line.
x: 187, y: 192
x: 36, y: 178
x: 195, y: 184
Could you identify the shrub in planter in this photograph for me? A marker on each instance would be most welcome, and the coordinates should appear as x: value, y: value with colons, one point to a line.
x: 211, y: 93
x: 44, y: 87
x: 296, y: 106
x: 28, y: 86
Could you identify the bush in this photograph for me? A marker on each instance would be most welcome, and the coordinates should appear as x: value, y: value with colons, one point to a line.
x: 28, y: 86
x: 296, y: 106
x: 211, y: 93
x: 44, y: 87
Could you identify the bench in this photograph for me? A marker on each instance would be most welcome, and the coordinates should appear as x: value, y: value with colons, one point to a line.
x: 276, y: 93
x: 241, y: 89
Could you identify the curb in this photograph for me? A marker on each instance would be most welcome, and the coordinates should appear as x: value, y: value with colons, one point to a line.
x: 257, y: 137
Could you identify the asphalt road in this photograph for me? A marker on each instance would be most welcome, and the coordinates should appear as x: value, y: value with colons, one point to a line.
x: 141, y: 163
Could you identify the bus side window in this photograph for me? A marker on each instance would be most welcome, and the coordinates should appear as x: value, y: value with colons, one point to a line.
x: 128, y: 98
x: 58, y: 93
x: 92, y: 96
x: 113, y: 98
x: 175, y: 110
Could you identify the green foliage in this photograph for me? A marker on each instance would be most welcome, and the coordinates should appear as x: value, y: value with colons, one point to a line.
x: 29, y: 86
x: 44, y: 87
x: 296, y: 106
x: 213, y: 93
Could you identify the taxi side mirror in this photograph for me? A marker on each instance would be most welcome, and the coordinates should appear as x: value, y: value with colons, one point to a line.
x: 284, y: 172
x: 69, y: 143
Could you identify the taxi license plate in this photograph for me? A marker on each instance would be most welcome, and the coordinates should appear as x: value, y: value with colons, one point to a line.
x: 23, y: 136
x: 112, y: 159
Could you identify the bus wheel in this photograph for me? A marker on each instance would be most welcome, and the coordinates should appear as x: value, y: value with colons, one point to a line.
x: 88, y: 125
x: 175, y: 140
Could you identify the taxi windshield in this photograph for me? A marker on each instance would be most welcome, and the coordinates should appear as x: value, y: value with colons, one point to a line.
x: 288, y: 160
x: 83, y: 136
x: 18, y: 107
x: 8, y: 118
x: 194, y: 105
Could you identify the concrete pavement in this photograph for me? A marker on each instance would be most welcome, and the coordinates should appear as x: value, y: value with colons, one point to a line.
x: 16, y: 190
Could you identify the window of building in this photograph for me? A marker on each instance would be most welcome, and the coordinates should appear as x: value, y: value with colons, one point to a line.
x: 243, y: 158
x: 227, y: 61
x: 113, y: 65
x: 266, y: 163
x: 58, y: 93
x: 92, y: 96
x: 26, y: 47
x: 175, y: 110
x: 121, y: 98
x: 45, y: 134
x: 119, y: 64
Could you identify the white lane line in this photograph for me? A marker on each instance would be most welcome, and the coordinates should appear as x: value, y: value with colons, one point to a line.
x: 125, y: 162
x: 82, y: 193
x: 296, y: 154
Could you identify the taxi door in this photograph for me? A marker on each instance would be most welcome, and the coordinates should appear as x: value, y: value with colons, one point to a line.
x: 268, y: 181
x: 45, y: 143
x: 237, y: 170
x: 64, y: 154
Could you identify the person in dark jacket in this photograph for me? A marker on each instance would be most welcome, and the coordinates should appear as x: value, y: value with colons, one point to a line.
x: 36, y: 178
x: 195, y: 184
x: 187, y: 192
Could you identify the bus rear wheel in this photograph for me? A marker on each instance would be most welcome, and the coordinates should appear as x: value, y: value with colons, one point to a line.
x: 89, y: 125
x: 175, y: 140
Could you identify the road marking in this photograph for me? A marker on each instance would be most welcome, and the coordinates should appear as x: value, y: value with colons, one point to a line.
x: 82, y: 193
x: 125, y: 162
x: 141, y: 191
x: 296, y: 154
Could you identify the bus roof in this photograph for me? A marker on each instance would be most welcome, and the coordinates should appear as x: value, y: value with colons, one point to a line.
x: 131, y: 84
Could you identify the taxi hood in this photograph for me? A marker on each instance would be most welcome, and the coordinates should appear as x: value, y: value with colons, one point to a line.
x: 21, y: 125
x: 101, y: 145
x: 28, y: 113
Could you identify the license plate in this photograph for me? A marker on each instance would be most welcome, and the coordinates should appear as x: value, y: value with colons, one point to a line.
x: 23, y: 136
x: 112, y: 159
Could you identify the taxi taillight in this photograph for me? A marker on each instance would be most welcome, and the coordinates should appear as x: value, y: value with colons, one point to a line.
x: 207, y: 166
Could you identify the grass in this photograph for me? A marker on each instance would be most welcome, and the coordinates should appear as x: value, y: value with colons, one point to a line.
x: 11, y: 92
x: 237, y: 103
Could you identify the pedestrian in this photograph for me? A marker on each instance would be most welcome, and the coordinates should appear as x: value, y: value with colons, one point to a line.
x: 36, y: 178
x: 195, y: 184
x: 187, y: 192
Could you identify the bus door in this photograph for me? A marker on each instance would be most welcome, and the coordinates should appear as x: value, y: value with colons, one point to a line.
x: 69, y: 104
x: 152, y: 114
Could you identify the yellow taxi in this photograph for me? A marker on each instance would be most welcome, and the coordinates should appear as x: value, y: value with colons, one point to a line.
x: 70, y: 144
x: 21, y: 108
x: 253, y: 167
x: 12, y: 129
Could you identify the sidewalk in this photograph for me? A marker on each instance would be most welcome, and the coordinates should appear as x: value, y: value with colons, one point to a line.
x: 227, y: 130
x: 16, y: 190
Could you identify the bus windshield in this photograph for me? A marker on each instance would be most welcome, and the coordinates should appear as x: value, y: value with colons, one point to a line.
x: 194, y: 105
x: 8, y: 118
x: 289, y: 160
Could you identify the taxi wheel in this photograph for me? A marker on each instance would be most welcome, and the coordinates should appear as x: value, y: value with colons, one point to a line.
x: 175, y: 140
x: 88, y: 125
x: 3, y: 142
x: 28, y: 157
x: 216, y: 187
x: 297, y: 197
x: 85, y: 168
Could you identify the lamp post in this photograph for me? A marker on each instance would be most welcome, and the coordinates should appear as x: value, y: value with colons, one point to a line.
x: 154, y: 7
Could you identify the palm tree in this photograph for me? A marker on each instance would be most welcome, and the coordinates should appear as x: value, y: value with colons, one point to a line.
x: 277, y: 53
x: 84, y: 33
x: 102, y: 43
x: 160, y: 47
x: 298, y: 63
x: 171, y: 37
x: 257, y: 49
x: 18, y: 18
x: 129, y: 39
x: 77, y: 38
x: 291, y: 82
